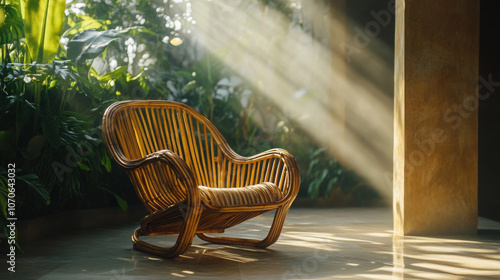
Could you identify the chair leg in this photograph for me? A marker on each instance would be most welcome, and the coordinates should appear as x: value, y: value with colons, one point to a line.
x: 184, y: 239
x: 272, y: 236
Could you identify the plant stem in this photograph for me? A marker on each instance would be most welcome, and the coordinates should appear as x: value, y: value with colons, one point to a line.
x: 42, y: 35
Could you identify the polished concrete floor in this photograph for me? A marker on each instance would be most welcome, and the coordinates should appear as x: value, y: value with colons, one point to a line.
x: 315, y: 244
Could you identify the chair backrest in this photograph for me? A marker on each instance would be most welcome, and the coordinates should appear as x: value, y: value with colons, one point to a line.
x: 139, y: 128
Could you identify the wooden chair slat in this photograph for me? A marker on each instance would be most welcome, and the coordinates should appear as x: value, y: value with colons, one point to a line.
x: 190, y: 180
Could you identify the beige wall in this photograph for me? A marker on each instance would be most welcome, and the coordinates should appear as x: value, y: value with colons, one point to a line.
x: 435, y: 149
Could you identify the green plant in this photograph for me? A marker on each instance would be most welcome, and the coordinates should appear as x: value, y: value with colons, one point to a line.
x: 50, y: 115
x: 11, y: 30
x: 43, y: 22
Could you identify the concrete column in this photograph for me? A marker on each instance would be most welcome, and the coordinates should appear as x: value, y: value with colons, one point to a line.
x: 436, y: 125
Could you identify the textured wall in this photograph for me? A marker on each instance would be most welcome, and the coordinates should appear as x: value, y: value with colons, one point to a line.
x: 436, y: 126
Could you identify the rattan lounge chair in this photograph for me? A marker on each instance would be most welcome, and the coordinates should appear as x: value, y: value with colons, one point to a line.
x: 190, y: 180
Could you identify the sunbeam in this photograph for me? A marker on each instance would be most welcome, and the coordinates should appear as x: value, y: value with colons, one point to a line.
x: 294, y: 67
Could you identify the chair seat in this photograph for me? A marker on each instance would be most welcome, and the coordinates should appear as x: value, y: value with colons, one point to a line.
x: 263, y: 193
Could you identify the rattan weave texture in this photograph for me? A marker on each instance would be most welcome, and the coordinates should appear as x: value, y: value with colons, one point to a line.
x: 190, y: 180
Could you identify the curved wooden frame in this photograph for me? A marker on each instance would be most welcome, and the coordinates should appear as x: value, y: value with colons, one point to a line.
x: 168, y: 149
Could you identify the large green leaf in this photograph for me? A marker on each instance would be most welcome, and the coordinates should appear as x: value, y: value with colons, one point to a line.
x: 113, y: 75
x: 11, y: 24
x: 121, y: 202
x: 90, y: 43
x: 43, y: 22
x: 36, y: 186
x: 85, y: 24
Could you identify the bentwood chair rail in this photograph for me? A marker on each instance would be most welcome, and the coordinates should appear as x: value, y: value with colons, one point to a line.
x: 190, y: 180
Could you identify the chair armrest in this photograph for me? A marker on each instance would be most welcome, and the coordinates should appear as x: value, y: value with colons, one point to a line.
x: 166, y: 156
x: 277, y: 166
x: 175, y: 162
